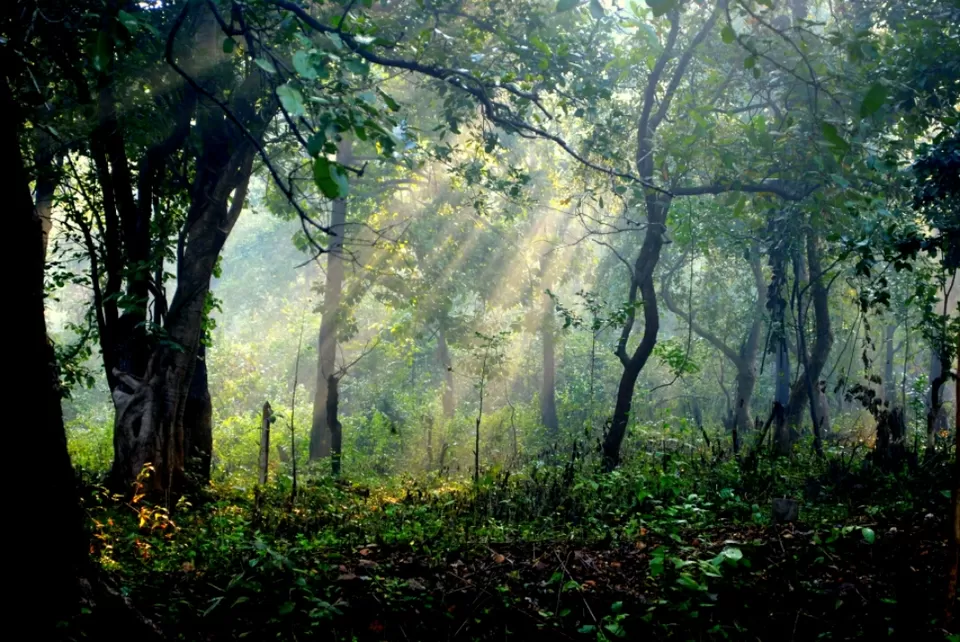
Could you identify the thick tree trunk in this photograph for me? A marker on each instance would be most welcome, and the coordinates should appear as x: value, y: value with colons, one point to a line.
x: 781, y: 396
x: 198, y: 422
x: 443, y: 355
x: 321, y: 427
x: 548, y: 389
x: 150, y: 409
x: 57, y: 542
x: 150, y: 425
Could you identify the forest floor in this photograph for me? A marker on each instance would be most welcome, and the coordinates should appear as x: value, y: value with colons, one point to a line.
x: 582, y: 557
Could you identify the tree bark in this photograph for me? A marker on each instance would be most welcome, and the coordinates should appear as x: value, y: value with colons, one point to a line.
x: 322, y: 426
x: 548, y: 388
x: 58, y: 542
x: 198, y: 422
x: 781, y: 381
x: 936, y: 415
x: 443, y: 355
x: 955, y: 504
x: 889, y: 384
x: 264, y: 461
x: 805, y: 389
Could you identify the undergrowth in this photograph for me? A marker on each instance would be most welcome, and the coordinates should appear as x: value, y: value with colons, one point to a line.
x: 672, y: 545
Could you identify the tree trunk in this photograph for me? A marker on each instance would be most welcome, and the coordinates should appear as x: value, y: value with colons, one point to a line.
x: 742, y: 417
x: 781, y: 396
x: 150, y: 409
x: 955, y: 544
x: 264, y: 461
x: 548, y: 390
x: 889, y: 384
x: 198, y: 422
x: 805, y: 389
x: 642, y: 281
x: 429, y: 422
x: 333, y: 420
x: 321, y: 427
x: 150, y: 426
x: 47, y: 177
x: 936, y: 415
x: 57, y: 542
x: 443, y: 355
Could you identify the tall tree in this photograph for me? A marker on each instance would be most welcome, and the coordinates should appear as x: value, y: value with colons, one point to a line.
x: 326, y: 395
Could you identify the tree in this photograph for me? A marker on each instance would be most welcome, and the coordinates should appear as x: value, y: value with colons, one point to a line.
x: 744, y: 358
x: 324, y: 402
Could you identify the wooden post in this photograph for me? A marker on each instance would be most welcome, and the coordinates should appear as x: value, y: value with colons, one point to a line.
x: 265, y: 442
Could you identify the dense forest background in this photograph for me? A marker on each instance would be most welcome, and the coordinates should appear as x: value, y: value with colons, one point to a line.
x: 439, y: 319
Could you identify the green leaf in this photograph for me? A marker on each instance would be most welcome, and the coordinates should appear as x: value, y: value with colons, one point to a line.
x: 833, y: 136
x: 329, y: 178
x: 749, y: 62
x: 392, y: 104
x: 229, y: 45
x: 873, y: 101
x: 596, y: 9
x: 868, y: 535
x: 688, y: 582
x: 101, y: 51
x: 266, y: 65
x: 323, y: 177
x: 731, y: 553
x: 357, y: 66
x: 661, y: 7
x: 616, y: 629
x: 292, y: 100
x: 128, y: 20
x: 728, y: 35
x: 566, y: 5
x: 315, y: 144
x: 301, y: 62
